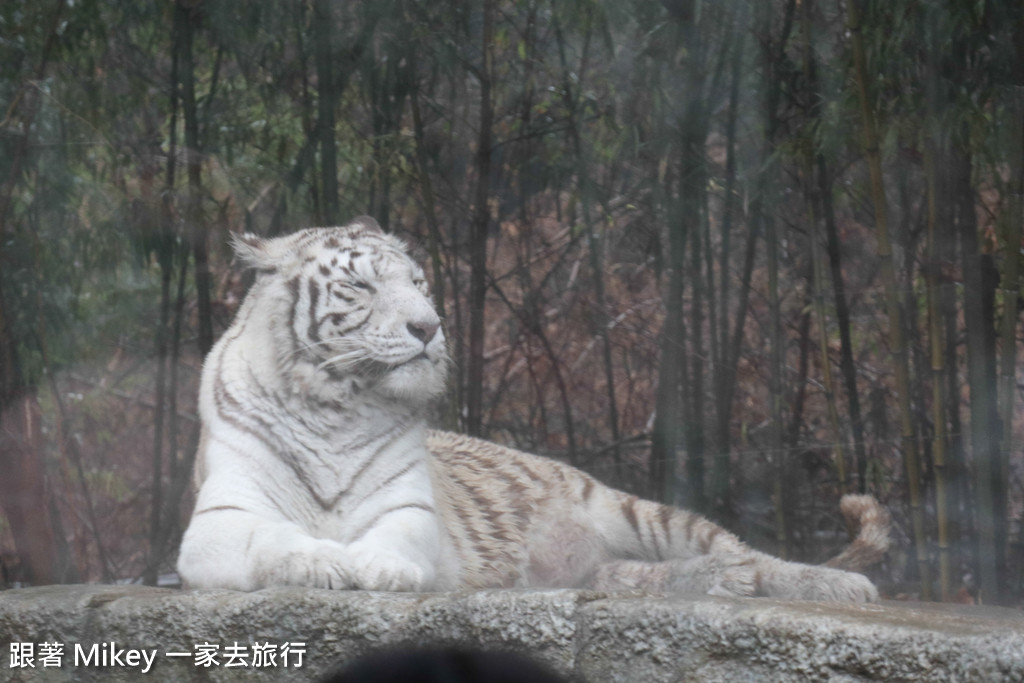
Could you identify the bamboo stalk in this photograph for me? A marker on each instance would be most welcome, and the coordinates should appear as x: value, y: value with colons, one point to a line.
x: 1010, y: 282
x: 326, y: 102
x: 721, y: 464
x: 818, y: 266
x: 936, y: 332
x: 765, y: 181
x: 450, y: 419
x: 897, y: 341
x: 938, y: 368
x: 595, y: 249
x: 838, y: 452
x: 478, y: 232
x: 665, y: 436
x: 775, y: 387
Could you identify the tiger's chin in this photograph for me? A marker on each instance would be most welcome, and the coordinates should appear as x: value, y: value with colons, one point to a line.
x: 417, y: 381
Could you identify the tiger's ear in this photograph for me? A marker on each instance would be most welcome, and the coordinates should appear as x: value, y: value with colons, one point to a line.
x: 366, y: 223
x: 254, y: 251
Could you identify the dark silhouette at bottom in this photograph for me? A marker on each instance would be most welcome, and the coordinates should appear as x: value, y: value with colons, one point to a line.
x: 443, y: 665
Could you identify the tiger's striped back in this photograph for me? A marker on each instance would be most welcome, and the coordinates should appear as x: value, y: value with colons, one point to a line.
x: 521, y: 520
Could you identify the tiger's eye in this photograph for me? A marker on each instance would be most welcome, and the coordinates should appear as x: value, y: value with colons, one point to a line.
x: 359, y: 284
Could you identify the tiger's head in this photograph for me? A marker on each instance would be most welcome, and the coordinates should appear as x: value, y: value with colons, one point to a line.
x: 359, y: 307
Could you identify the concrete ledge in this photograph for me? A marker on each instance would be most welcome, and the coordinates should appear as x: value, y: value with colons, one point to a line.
x: 586, y: 635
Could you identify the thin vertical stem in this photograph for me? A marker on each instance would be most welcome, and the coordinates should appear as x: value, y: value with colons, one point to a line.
x: 594, y: 239
x: 326, y: 97
x: 897, y: 340
x: 775, y: 386
x: 812, y: 192
x: 725, y: 369
x: 838, y: 452
x: 479, y: 229
x: 938, y: 369
x: 1010, y: 278
x: 936, y: 333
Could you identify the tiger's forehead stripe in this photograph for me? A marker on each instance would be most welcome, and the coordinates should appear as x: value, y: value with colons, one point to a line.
x: 315, y: 242
x: 313, y: 331
x: 357, y: 261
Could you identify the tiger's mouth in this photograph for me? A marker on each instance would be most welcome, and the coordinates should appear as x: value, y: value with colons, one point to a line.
x: 422, y: 355
x: 379, y: 368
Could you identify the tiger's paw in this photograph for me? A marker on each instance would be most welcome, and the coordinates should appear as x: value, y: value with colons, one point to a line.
x: 321, y: 564
x: 377, y: 570
x: 804, y: 582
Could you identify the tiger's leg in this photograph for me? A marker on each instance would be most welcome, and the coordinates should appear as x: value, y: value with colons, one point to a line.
x: 227, y: 547
x: 753, y: 574
x: 682, y: 551
x: 730, y: 575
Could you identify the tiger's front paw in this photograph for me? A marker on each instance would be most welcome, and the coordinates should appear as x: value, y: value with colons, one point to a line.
x: 319, y: 564
x: 381, y: 570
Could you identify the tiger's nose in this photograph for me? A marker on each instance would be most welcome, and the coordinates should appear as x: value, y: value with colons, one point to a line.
x: 424, y: 331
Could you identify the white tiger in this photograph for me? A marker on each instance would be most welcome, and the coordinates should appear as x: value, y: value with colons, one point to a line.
x: 316, y: 467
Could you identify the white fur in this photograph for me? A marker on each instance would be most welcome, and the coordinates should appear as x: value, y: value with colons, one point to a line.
x: 289, y: 459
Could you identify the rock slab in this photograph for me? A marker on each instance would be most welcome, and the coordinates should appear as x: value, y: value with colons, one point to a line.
x: 293, y: 634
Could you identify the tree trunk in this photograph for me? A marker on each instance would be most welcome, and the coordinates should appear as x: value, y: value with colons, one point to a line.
x: 24, y: 495
x: 756, y: 225
x: 198, y: 236
x: 776, y: 450
x: 979, y: 288
x: 724, y: 374
x: 847, y: 368
x: 838, y: 452
x: 165, y: 251
x: 897, y: 341
x: 594, y: 241
x: 959, y: 494
x: 180, y: 470
x: 478, y: 232
x: 819, y: 192
x: 665, y: 436
x: 183, y: 83
x: 24, y: 490
x: 684, y: 222
x: 936, y: 333
x: 772, y: 86
x: 693, y: 184
x: 938, y: 359
x: 1010, y: 278
x: 323, y: 23
x: 812, y: 192
x: 450, y: 418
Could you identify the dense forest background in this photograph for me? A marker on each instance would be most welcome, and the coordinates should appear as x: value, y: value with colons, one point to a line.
x: 742, y: 256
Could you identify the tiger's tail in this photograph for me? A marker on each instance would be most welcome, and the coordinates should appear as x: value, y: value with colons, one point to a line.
x: 866, y: 517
